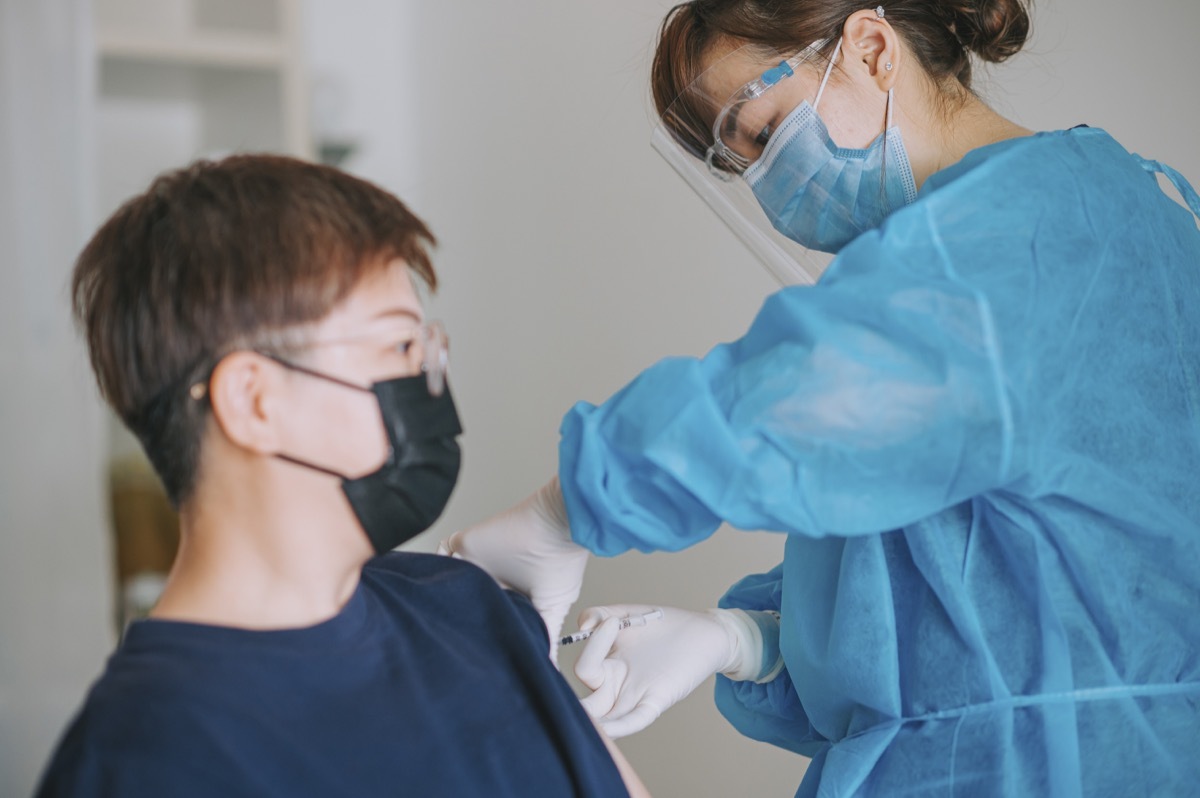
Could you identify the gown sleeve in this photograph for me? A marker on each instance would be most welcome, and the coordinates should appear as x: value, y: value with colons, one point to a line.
x: 855, y: 406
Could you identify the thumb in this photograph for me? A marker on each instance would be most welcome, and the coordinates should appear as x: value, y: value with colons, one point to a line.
x: 590, y: 665
x: 592, y: 617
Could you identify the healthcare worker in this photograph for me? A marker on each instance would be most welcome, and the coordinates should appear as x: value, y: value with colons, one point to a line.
x: 979, y: 429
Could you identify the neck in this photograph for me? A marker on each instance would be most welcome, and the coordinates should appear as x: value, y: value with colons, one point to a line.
x: 267, y: 547
x: 939, y: 139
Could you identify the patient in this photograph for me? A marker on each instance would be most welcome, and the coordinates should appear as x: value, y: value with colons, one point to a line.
x: 255, y: 322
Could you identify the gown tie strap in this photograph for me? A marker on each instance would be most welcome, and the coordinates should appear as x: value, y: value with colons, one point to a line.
x: 1179, y: 181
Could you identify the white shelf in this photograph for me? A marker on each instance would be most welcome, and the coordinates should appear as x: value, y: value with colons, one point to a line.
x: 218, y: 49
x: 220, y: 75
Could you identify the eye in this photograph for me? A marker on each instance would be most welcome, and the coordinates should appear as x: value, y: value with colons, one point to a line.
x: 764, y: 136
x: 401, y: 344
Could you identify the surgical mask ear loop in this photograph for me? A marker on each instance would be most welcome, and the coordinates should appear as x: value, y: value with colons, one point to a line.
x: 828, y: 71
x: 887, y: 125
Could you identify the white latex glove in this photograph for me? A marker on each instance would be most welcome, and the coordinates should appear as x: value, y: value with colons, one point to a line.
x: 529, y: 549
x: 638, y: 672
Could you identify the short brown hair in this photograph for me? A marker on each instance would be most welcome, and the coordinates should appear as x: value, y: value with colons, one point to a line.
x: 218, y: 256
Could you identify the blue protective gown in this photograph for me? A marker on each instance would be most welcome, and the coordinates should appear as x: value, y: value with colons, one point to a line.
x: 981, y: 433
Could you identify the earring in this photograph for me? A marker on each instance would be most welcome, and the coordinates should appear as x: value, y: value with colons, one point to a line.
x: 879, y: 12
x: 888, y: 66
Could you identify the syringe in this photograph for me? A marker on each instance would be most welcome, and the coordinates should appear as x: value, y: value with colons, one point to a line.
x: 625, y: 623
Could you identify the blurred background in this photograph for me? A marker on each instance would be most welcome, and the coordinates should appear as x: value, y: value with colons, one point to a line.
x: 571, y: 257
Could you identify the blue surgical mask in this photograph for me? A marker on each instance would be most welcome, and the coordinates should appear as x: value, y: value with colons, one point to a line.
x: 824, y: 196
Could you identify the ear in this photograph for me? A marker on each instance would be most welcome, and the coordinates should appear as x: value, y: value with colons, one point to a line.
x: 871, y: 44
x: 243, y: 391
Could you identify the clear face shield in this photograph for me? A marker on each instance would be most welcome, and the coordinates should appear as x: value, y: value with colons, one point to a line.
x: 720, y: 126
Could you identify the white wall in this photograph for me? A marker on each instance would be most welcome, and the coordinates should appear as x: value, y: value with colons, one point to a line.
x: 55, y: 626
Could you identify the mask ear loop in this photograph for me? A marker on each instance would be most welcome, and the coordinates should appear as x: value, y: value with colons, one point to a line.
x: 828, y: 71
x: 887, y: 125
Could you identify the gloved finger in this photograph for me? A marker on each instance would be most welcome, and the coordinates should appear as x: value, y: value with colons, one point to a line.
x: 477, y: 543
x: 600, y: 702
x: 590, y: 665
x: 593, y: 617
x: 642, y: 716
x: 633, y: 693
x: 451, y: 543
x: 445, y: 550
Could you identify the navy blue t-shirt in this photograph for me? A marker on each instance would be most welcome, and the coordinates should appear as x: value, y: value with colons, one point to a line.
x: 432, y: 681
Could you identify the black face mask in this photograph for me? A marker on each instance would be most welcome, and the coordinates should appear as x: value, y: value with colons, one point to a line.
x: 410, y: 490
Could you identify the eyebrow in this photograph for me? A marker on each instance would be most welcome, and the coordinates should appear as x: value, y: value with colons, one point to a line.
x: 395, y: 312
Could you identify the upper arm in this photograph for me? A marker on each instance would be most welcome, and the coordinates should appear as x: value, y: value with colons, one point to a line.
x: 856, y: 406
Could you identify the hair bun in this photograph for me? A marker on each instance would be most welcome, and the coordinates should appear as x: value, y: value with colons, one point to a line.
x: 992, y: 29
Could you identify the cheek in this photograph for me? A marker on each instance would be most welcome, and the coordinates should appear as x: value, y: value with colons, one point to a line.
x: 853, y: 122
x: 353, y: 437
x: 847, y: 131
x: 366, y: 441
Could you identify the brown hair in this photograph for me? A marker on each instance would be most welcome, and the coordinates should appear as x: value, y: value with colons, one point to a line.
x: 219, y: 256
x: 942, y: 35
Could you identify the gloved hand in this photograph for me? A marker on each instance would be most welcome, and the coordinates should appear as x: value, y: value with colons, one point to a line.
x: 638, y: 672
x: 529, y: 549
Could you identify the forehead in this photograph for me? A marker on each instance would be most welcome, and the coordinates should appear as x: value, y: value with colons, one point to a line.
x: 731, y: 68
x: 725, y: 69
x: 385, y: 296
